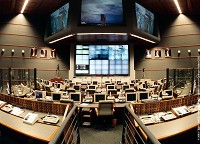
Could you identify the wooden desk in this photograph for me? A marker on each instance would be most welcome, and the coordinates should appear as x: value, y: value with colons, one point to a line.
x: 38, y: 131
x: 174, y: 127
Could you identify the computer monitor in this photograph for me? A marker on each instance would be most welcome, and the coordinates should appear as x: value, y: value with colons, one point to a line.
x: 94, y: 82
x: 130, y: 90
x: 56, y: 96
x: 58, y: 85
x: 76, y: 97
x: 119, y: 82
x: 71, y: 90
x: 169, y: 92
x: 143, y: 95
x: 90, y: 91
x: 132, y: 96
x: 71, y: 84
x: 124, y: 87
x: 48, y: 89
x: 107, y: 81
x: 131, y: 85
x: 112, y: 91
x: 91, y: 86
x: 40, y: 94
x: 99, y: 96
x: 110, y: 87
x: 77, y: 87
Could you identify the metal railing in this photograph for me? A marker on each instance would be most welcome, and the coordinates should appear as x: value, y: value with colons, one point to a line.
x: 134, y: 131
x: 68, y: 132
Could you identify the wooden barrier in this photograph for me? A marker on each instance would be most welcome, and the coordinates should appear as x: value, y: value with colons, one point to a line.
x: 40, y: 106
x: 164, y: 105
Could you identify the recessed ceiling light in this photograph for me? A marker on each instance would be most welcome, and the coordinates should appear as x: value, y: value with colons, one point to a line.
x: 24, y: 6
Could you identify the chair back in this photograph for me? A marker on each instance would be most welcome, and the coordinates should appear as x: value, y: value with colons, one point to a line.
x: 105, y: 107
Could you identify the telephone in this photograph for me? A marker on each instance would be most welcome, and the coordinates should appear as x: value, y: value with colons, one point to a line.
x: 30, y: 118
x: 51, y: 119
x: 168, y: 116
x: 147, y: 119
x: 7, y: 108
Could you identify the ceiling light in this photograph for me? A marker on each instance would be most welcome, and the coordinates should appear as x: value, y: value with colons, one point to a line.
x: 178, y: 7
x: 24, y: 6
x: 142, y: 38
x: 61, y: 38
x: 101, y: 33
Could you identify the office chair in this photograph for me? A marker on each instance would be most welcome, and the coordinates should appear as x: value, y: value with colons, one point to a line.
x: 105, y: 112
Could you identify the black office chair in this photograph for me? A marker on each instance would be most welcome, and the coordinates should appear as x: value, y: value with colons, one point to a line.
x: 105, y: 112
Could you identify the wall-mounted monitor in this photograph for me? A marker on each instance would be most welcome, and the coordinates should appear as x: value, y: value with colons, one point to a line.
x: 98, y: 97
x: 102, y: 60
x: 76, y: 97
x: 101, y: 12
x: 59, y: 19
x: 144, y: 19
x: 132, y: 96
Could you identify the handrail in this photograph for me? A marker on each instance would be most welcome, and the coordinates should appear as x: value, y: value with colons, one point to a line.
x: 58, y: 134
x: 134, y: 118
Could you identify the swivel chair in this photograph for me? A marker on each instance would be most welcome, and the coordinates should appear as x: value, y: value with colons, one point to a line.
x: 105, y: 112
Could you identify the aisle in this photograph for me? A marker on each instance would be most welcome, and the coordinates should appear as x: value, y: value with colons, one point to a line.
x: 99, y: 136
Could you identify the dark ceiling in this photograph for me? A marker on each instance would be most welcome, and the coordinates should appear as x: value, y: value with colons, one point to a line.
x: 44, y: 7
x: 47, y: 6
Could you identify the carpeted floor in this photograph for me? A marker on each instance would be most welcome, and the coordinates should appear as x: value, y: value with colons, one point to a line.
x: 92, y: 135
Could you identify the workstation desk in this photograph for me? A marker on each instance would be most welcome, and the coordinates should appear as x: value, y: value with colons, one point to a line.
x: 174, y: 127
x: 39, y: 131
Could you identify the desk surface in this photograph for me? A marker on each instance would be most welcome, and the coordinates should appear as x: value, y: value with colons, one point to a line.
x: 95, y: 105
x: 174, y: 127
x: 39, y: 131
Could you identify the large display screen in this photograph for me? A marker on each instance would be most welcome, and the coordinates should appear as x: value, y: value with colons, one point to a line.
x: 59, y: 19
x: 102, y: 12
x: 102, y: 59
x: 145, y: 19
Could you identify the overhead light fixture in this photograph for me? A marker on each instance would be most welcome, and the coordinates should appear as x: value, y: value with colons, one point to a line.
x: 24, y: 6
x: 142, y: 38
x: 178, y: 7
x: 61, y: 38
x: 101, y: 33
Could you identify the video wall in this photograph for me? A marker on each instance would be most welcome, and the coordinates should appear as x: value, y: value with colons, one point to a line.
x: 102, y: 60
x: 59, y: 19
x: 144, y: 19
x: 101, y: 12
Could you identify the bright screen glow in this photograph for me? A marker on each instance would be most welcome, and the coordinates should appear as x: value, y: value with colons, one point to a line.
x: 59, y: 19
x: 102, y: 59
x: 101, y: 12
x: 145, y: 19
